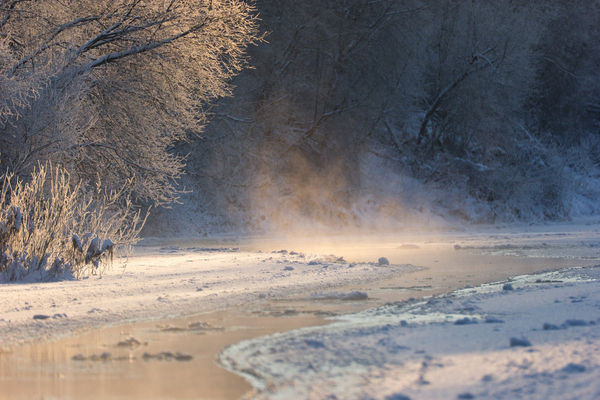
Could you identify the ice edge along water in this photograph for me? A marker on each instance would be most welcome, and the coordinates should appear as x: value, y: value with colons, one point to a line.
x: 163, y: 283
x: 534, y: 332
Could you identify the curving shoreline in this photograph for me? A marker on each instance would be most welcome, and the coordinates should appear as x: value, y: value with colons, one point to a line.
x: 163, y: 283
x: 168, y: 282
x: 537, y: 337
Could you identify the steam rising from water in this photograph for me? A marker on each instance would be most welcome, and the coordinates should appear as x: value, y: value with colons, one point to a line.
x: 299, y: 196
x: 305, y: 197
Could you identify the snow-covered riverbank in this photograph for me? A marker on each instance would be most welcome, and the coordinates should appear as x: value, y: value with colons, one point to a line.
x: 160, y: 283
x: 533, y: 337
x: 371, y: 354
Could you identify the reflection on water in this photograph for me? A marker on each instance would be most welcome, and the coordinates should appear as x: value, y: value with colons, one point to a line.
x: 48, y: 370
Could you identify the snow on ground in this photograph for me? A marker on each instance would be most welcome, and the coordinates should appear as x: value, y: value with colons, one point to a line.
x: 471, y: 343
x: 533, y: 337
x: 159, y: 283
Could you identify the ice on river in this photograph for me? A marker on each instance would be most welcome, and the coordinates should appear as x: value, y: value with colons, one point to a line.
x: 421, y: 350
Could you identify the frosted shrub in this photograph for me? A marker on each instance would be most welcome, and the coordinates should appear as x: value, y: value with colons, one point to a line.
x: 52, y: 226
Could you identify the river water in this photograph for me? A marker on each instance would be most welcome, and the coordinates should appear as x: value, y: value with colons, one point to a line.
x: 48, y: 370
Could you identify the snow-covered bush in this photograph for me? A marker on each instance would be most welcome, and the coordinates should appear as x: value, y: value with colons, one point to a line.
x: 52, y: 226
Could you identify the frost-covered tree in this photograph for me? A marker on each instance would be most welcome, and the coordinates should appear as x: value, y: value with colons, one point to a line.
x: 108, y: 88
x: 329, y: 72
x: 479, y: 67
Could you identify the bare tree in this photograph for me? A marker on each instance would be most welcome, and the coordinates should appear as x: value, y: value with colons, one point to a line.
x: 566, y: 105
x: 326, y: 76
x: 479, y: 68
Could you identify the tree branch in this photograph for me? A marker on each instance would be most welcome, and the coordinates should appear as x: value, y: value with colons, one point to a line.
x: 96, y: 144
x: 112, y: 57
x: 46, y: 45
x: 446, y: 91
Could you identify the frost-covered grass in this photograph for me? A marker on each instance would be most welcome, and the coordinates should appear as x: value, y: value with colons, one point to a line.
x: 51, y: 226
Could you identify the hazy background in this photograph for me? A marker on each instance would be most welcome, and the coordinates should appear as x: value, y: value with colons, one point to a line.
x: 380, y: 114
